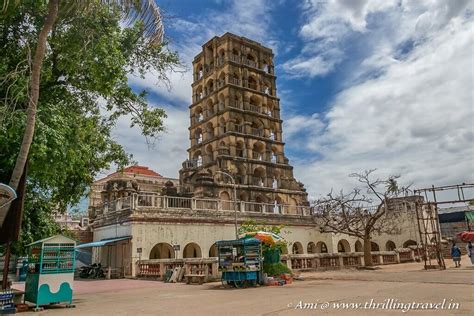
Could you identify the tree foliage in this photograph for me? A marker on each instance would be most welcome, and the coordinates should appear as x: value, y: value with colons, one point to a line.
x: 84, y: 91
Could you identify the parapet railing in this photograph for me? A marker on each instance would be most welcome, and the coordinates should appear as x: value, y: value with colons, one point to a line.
x: 145, y: 200
x: 156, y: 268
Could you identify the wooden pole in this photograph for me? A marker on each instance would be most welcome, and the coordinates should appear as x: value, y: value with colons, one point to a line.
x: 6, y: 266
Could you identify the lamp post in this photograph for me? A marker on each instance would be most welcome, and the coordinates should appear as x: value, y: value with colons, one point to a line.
x: 235, y: 200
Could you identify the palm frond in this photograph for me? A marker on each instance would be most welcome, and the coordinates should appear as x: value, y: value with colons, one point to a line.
x: 146, y: 11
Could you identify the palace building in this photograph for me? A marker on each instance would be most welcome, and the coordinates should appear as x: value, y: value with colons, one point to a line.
x: 236, y: 171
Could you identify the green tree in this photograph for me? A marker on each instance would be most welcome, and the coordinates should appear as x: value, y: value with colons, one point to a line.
x: 84, y: 91
x: 44, y: 20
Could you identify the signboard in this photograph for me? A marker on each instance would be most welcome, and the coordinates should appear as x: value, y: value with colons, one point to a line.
x: 176, y: 247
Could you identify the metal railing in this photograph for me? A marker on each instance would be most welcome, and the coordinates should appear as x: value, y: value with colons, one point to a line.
x: 155, y: 200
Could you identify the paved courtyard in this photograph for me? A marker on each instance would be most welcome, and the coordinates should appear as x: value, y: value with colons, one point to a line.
x: 327, y: 293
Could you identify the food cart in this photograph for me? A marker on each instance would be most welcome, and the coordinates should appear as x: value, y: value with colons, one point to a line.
x: 240, y: 261
x: 50, y: 271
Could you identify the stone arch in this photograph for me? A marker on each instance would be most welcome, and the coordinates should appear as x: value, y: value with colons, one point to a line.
x: 198, y: 158
x: 270, y: 107
x: 221, y: 80
x: 210, y: 130
x: 257, y: 128
x: 254, y: 104
x: 192, y: 250
x: 311, y: 248
x: 374, y: 246
x: 409, y: 243
x: 241, y: 173
x: 162, y: 250
x: 251, y: 56
x: 240, y: 149
x: 390, y: 245
x: 199, y: 71
x: 235, y: 52
x: 266, y: 88
x: 292, y: 209
x: 199, y: 93
x: 222, y: 125
x: 234, y: 78
x: 297, y: 248
x: 259, y: 176
x: 278, y: 205
x: 244, y: 196
x: 209, y: 153
x: 199, y: 117
x: 252, y: 82
x: 343, y: 246
x: 266, y: 66
x: 198, y: 135
x: 213, y: 251
x: 358, y: 246
x: 275, y: 154
x: 224, y: 196
x: 321, y: 247
x: 258, y: 151
x: 210, y: 107
x: 221, y: 100
x: 210, y: 86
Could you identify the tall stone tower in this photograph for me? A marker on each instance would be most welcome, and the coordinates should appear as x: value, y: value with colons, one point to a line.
x: 236, y: 128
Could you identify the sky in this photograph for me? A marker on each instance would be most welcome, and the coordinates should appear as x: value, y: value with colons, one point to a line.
x: 363, y: 84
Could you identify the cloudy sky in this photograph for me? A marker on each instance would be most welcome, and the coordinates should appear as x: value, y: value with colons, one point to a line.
x: 363, y: 84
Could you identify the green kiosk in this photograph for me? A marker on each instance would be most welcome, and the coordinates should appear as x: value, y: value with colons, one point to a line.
x: 51, y: 271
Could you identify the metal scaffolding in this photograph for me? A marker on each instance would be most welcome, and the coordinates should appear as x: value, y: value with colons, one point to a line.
x: 428, y: 221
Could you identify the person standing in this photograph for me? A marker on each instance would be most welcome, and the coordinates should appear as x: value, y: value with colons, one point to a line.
x: 470, y: 251
x: 456, y: 255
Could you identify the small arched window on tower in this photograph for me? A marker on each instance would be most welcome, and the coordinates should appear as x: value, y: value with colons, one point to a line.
x: 210, y: 130
x: 199, y: 72
x: 266, y: 89
x: 198, y: 135
x: 275, y: 183
x: 274, y: 155
x: 199, y: 93
x: 222, y: 126
x: 239, y: 149
x: 197, y: 158
x: 252, y: 83
x: 198, y: 114
x: 235, y: 56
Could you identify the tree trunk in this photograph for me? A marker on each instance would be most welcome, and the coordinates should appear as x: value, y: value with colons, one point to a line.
x: 367, y: 252
x: 33, y: 101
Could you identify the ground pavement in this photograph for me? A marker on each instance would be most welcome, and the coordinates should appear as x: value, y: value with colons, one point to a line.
x: 354, y: 292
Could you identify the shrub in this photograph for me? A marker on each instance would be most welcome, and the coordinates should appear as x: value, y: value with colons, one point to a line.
x: 275, y: 269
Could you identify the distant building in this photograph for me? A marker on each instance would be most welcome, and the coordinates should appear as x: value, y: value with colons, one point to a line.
x: 122, y: 184
x: 454, y: 220
x: 66, y: 221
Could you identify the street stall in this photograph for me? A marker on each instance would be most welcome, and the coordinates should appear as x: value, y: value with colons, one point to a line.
x: 240, y: 262
x: 50, y: 271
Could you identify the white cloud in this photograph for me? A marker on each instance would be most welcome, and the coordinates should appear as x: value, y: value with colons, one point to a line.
x: 167, y: 153
x: 249, y: 18
x: 415, y: 118
x: 380, y: 27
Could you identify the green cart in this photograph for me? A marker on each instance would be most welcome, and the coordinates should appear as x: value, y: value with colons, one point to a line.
x: 50, y: 271
x: 240, y: 262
